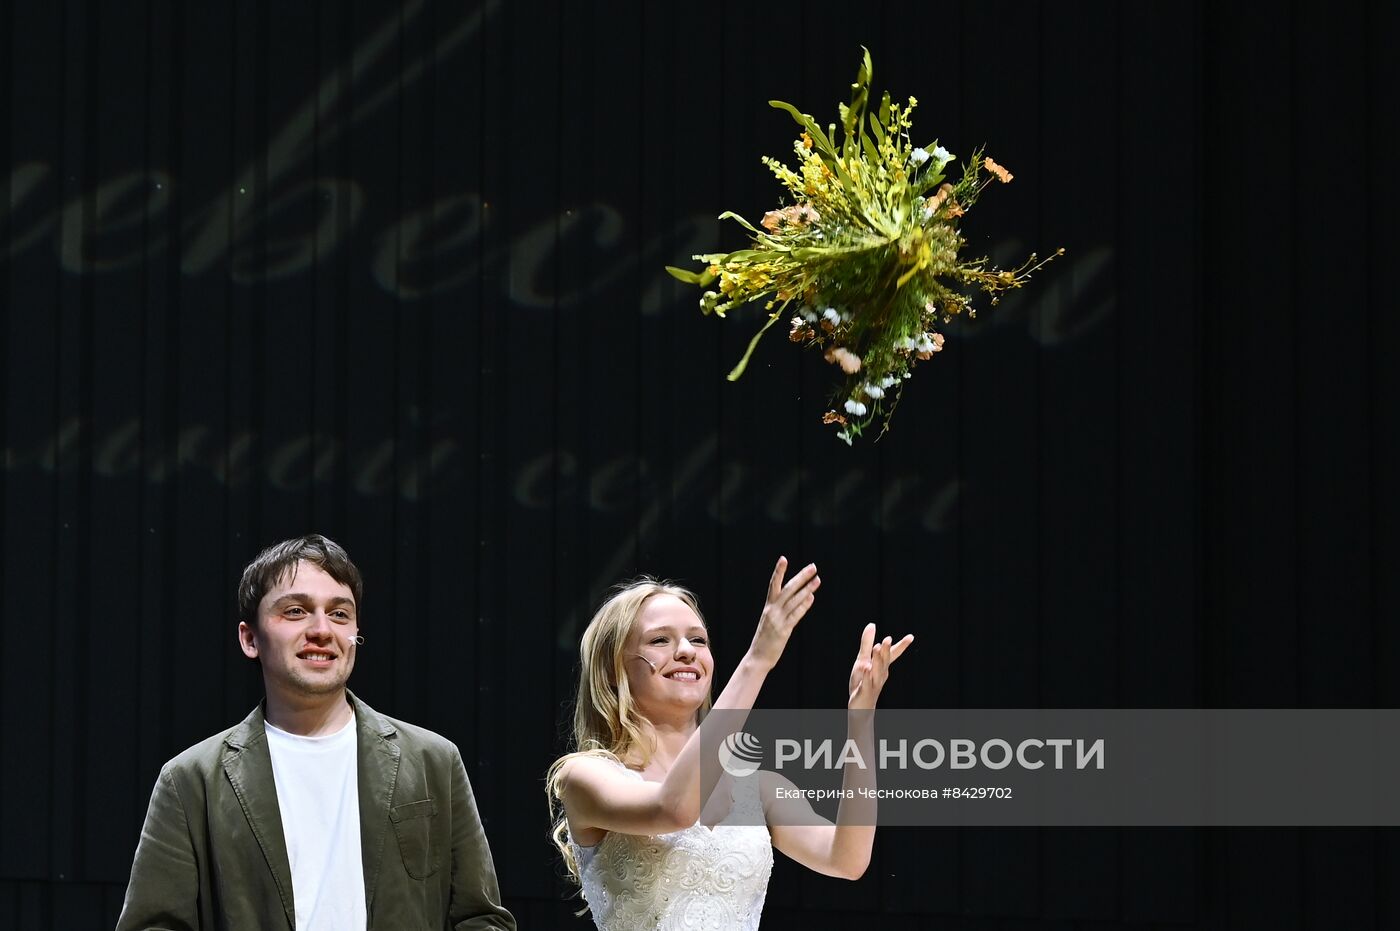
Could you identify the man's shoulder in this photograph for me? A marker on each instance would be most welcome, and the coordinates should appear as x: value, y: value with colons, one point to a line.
x: 209, y: 752
x: 415, y: 735
x: 407, y: 735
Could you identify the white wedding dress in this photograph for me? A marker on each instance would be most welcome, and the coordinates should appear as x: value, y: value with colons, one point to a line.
x: 695, y: 878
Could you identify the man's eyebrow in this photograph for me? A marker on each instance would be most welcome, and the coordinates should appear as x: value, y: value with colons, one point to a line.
x: 291, y: 597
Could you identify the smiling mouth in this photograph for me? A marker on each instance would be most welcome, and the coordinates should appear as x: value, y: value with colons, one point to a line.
x: 316, y: 656
x: 683, y: 676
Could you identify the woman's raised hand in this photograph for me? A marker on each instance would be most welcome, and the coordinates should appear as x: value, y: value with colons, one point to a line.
x: 784, y: 607
x: 872, y: 667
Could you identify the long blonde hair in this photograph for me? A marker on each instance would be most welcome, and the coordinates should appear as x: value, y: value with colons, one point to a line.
x: 607, y: 723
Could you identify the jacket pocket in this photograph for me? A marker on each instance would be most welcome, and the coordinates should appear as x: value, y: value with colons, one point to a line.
x: 413, y: 824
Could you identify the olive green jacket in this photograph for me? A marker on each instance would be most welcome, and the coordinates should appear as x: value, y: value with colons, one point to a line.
x: 212, y: 854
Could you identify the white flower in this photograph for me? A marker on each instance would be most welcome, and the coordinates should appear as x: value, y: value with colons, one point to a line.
x: 909, y: 343
x: 888, y: 381
x: 874, y: 391
x: 809, y: 315
x: 831, y: 314
x: 942, y: 156
x: 925, y: 344
x: 855, y: 407
x: 918, y: 156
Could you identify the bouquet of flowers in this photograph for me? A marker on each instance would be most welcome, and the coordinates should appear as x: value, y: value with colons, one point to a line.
x: 865, y: 257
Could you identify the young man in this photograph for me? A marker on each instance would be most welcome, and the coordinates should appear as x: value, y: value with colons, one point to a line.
x: 316, y: 813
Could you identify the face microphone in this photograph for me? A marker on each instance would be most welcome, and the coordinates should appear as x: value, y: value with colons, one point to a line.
x: 357, y: 640
x: 645, y: 660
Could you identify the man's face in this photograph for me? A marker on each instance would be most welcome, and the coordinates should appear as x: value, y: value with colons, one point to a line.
x: 303, y: 635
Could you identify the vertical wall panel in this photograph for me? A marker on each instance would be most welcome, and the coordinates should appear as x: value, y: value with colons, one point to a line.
x: 541, y: 213
x: 9, y: 195
x: 1334, y: 376
x: 919, y: 505
x: 1383, y: 193
x: 1158, y: 233
x: 1334, y: 488
x: 1080, y: 385
x: 1002, y: 621
x: 41, y: 441
x: 1251, y: 353
x: 501, y: 52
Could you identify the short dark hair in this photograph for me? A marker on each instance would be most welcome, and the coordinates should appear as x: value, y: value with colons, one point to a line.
x: 280, y: 558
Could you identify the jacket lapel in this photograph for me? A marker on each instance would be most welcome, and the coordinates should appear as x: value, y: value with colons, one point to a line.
x: 378, y: 766
x: 248, y: 765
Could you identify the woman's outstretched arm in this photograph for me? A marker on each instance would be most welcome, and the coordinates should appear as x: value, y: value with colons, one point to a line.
x: 841, y: 849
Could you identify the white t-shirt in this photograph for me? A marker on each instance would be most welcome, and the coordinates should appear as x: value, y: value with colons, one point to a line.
x: 319, y: 794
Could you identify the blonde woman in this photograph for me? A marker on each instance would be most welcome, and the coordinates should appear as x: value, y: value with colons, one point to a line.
x: 630, y: 827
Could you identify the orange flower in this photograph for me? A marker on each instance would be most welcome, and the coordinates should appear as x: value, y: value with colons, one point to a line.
x: 806, y: 141
x: 849, y: 361
x: 1002, y: 174
x: 833, y: 417
x: 944, y: 191
x: 797, y: 214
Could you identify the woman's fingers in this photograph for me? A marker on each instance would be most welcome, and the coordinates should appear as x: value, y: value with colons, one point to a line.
x: 775, y: 583
x: 860, y: 675
x: 805, y: 605
x: 880, y: 659
x: 785, y: 605
x: 784, y: 596
x: 794, y: 602
x: 787, y: 620
x: 805, y: 581
x: 867, y: 642
x: 886, y: 648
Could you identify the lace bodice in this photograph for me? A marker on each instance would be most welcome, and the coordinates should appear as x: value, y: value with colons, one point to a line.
x: 697, y: 878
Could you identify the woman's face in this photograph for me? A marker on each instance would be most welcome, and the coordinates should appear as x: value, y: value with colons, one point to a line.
x: 668, y: 658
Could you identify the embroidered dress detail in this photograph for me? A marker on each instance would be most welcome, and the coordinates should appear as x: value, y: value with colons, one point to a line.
x: 697, y: 878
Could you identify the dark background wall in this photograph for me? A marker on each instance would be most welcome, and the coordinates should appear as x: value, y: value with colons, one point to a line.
x: 393, y: 272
